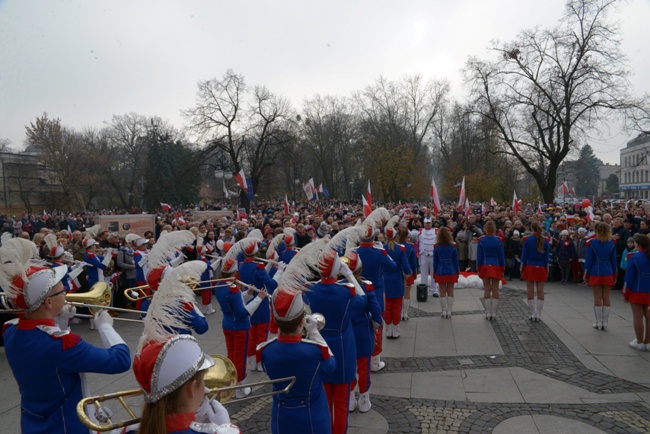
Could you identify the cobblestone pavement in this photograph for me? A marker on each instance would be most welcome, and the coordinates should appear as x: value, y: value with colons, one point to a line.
x: 525, y: 344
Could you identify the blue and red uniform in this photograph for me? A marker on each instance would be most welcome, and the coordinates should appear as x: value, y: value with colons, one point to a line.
x: 336, y: 302
x: 394, y: 283
x: 445, y: 263
x: 413, y: 263
x: 304, y: 409
x: 47, y: 364
x: 362, y: 316
x: 601, y: 267
x: 235, y: 324
x: 534, y: 262
x: 253, y: 273
x: 92, y: 269
x: 490, y: 260
x: 637, y: 278
x: 288, y: 255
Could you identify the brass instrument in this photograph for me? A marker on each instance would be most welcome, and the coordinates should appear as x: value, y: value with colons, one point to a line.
x: 137, y: 292
x: 221, y: 379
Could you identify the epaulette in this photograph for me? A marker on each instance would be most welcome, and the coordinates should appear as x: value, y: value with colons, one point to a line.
x: 325, y: 350
x: 525, y: 238
x: 263, y: 344
x: 480, y: 238
x: 188, y: 306
x: 261, y: 266
x: 213, y: 428
x: 402, y: 247
x: 347, y: 284
x: 68, y: 339
x: 11, y: 322
x: 588, y: 242
x: 233, y: 289
x: 91, y: 255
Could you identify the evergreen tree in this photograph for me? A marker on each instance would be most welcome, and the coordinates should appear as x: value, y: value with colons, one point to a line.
x: 588, y: 172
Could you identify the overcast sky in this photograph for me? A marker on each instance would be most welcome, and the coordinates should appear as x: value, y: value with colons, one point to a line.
x: 84, y: 61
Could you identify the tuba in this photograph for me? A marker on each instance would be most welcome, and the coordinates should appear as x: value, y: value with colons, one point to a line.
x: 98, y: 296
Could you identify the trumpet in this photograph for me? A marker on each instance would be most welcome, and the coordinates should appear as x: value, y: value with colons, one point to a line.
x: 221, y: 379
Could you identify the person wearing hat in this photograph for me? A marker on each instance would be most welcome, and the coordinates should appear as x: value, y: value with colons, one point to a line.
x: 304, y: 409
x: 46, y: 358
x: 93, y: 262
x: 513, y: 254
x: 141, y: 267
x: 565, y: 252
x: 375, y: 263
x: 171, y: 373
x: 427, y: 239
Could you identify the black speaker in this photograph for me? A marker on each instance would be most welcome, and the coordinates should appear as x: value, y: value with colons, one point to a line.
x: 423, y: 292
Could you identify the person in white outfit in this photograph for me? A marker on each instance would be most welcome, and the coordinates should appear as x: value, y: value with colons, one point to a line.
x: 427, y: 239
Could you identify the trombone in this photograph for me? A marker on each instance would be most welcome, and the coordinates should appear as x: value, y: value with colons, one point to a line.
x: 137, y: 293
x: 221, y: 379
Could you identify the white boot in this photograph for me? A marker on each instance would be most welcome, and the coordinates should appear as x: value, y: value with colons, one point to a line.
x: 598, y: 313
x: 389, y: 331
x: 92, y: 324
x: 606, y: 310
x: 538, y: 310
x: 488, y: 308
x: 376, y: 364
x: 450, y: 304
x: 443, y: 306
x: 493, y: 308
x: 252, y: 364
x: 405, y: 309
x: 242, y: 392
x: 396, y: 331
x: 436, y: 292
x: 364, y: 402
x: 531, y: 306
x: 259, y: 367
x: 208, y: 309
x: 352, y: 405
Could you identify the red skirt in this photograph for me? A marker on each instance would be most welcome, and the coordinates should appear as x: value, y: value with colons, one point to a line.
x: 490, y: 271
x: 602, y: 280
x: 411, y: 279
x: 642, y: 298
x: 535, y: 273
x: 451, y: 278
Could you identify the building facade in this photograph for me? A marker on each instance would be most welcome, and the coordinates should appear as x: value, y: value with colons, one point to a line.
x: 633, y: 180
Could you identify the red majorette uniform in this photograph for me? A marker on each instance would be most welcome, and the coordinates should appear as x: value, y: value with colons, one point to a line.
x: 365, y: 318
x: 253, y: 273
x: 445, y: 270
x: 47, y: 360
x: 335, y: 302
x: 637, y: 279
x: 600, y: 262
x: 534, y: 263
x: 304, y: 409
x: 491, y: 260
x: 394, y: 285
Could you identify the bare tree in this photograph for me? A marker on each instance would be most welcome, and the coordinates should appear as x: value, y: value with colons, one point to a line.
x: 5, y: 145
x: 550, y: 89
x: 251, y: 126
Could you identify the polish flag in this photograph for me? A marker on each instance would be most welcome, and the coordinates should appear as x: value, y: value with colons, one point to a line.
x: 165, y: 207
x: 369, y: 198
x: 483, y: 211
x: 241, y: 179
x: 565, y: 188
x: 572, y: 192
x: 45, y: 217
x: 493, y: 202
x: 590, y: 214
x: 286, y: 205
x: 367, y: 208
x: 69, y: 233
x: 515, y: 203
x: 435, y: 198
x: 539, y: 208
x: 467, y: 208
x: 461, y: 199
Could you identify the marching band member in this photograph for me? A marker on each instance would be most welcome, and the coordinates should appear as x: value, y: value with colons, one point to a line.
x: 171, y: 372
x: 410, y: 280
x: 375, y: 262
x: 236, y: 321
x: 94, y: 263
x: 446, y: 269
x: 534, y: 268
x: 47, y: 360
x: 56, y: 253
x: 491, y: 264
x: 427, y: 239
x: 290, y: 251
x: 141, y: 268
x: 394, y: 280
x: 601, y: 269
x: 304, y: 409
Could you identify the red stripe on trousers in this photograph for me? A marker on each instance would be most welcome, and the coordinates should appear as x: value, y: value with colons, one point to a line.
x: 338, y: 397
x: 258, y: 334
x: 236, y: 345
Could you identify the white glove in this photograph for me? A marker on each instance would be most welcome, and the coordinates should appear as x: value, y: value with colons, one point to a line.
x: 278, y: 274
x: 215, y: 264
x: 178, y: 260
x: 108, y: 255
x: 211, y: 411
x: 268, y: 266
x: 75, y: 272
x: 311, y: 327
x: 254, y: 304
x: 104, y: 325
x: 345, y: 270
x: 63, y: 318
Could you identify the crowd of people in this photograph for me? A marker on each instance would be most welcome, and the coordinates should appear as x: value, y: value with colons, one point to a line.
x: 360, y: 270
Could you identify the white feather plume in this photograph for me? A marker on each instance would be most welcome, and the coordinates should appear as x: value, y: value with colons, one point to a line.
x: 343, y: 238
x: 275, y: 242
x: 15, y: 258
x: 238, y: 248
x: 256, y: 234
x: 131, y: 238
x: 166, y: 311
x: 51, y: 242
x: 5, y: 237
x: 377, y: 217
x: 167, y: 246
x: 290, y: 231
x: 301, y: 267
x: 394, y: 220
x: 93, y: 232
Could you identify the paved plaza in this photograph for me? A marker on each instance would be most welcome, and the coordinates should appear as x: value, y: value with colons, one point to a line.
x: 465, y: 374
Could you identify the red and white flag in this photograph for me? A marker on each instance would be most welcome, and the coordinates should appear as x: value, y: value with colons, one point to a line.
x: 565, y: 188
x: 45, y: 217
x: 539, y: 208
x: 467, y: 208
x: 165, y: 207
x: 435, y: 198
x: 241, y: 179
x: 286, y: 205
x: 367, y: 208
x: 515, y: 203
x: 483, y: 210
x: 461, y: 199
x: 493, y: 202
x: 69, y: 233
x: 319, y: 189
x: 369, y: 197
x: 572, y: 192
x: 309, y: 189
x: 590, y: 214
